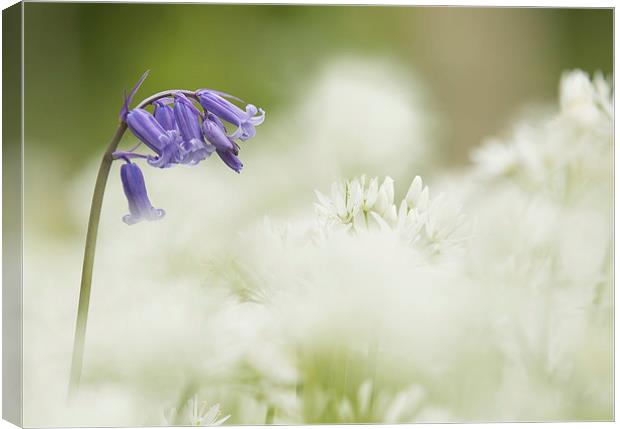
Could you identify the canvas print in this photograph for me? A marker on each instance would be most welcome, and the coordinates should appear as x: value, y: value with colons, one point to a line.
x: 297, y: 214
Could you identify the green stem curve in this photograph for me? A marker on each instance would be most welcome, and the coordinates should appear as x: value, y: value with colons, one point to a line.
x: 89, y: 258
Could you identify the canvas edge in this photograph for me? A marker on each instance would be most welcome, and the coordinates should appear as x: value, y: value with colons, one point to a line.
x: 12, y: 219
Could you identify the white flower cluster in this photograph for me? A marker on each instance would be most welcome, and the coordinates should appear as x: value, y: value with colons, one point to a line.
x: 589, y: 103
x: 531, y: 292
x: 562, y: 154
x: 354, y: 204
x: 357, y: 205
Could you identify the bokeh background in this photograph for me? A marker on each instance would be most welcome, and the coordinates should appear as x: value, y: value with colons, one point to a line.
x: 396, y: 91
x: 478, y: 64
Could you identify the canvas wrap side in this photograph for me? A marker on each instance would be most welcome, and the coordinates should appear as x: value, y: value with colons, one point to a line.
x: 12, y: 225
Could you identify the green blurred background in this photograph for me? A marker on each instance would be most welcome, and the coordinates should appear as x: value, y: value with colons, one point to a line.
x: 478, y: 63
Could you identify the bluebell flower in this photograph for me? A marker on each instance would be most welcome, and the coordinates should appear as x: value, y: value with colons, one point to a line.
x: 188, y: 119
x: 216, y: 102
x: 215, y: 133
x: 164, y: 114
x: 226, y: 148
x: 166, y: 144
x: 140, y: 207
x: 185, y: 127
x: 144, y: 126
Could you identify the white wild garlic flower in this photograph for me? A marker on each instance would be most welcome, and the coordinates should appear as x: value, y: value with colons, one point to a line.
x: 359, y: 206
x: 351, y: 204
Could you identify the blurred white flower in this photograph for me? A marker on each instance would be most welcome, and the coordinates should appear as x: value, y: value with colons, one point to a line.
x: 565, y: 155
x: 583, y: 100
x: 195, y: 413
x: 494, y: 158
x: 367, y: 115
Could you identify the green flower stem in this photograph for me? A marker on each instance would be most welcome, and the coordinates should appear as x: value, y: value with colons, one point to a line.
x: 89, y: 258
x: 373, y: 355
x: 271, y: 412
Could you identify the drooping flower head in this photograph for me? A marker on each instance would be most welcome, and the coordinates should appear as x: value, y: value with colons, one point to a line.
x: 140, y: 207
x: 186, y: 127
